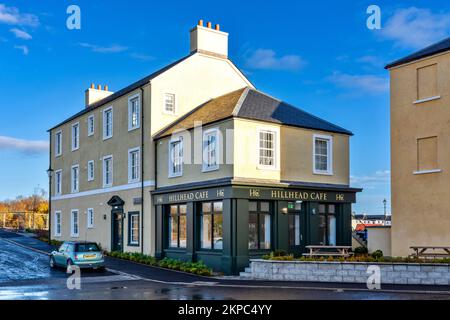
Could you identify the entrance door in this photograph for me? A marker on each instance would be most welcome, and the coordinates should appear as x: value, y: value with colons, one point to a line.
x: 327, y: 224
x: 117, y: 230
x: 296, y: 227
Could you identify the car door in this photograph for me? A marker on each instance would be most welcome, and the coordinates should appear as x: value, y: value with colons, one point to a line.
x: 59, y: 255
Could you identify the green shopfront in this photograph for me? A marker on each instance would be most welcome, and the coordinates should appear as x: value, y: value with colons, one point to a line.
x: 226, y: 225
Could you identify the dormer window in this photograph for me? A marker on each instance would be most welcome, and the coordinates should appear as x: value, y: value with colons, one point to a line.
x: 169, y: 103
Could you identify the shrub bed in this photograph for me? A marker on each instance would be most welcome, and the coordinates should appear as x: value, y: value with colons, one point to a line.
x: 198, y: 268
x: 377, y: 256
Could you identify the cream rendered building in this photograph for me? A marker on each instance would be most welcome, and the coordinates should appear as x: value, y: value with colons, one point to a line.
x: 420, y: 144
x: 193, y: 162
x: 83, y: 212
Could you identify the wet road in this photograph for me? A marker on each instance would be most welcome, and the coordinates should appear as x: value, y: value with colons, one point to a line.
x: 17, y: 263
x: 25, y: 274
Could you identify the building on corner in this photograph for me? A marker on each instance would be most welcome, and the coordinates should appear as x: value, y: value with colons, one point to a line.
x: 193, y: 162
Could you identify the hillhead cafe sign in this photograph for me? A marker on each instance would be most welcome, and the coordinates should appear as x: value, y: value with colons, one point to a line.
x: 256, y: 193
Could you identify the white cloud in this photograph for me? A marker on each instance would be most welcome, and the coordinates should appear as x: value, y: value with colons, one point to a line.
x: 416, y: 28
x: 267, y: 59
x: 379, y: 177
x: 21, y: 34
x: 141, y: 56
x: 24, y: 49
x: 25, y: 146
x: 115, y: 48
x: 367, y: 83
x: 12, y: 16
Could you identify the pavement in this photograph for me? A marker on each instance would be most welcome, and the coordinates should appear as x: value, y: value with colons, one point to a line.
x: 25, y: 274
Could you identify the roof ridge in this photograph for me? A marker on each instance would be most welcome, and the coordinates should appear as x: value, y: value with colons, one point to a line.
x: 306, y: 112
x: 411, y: 57
x: 240, y: 101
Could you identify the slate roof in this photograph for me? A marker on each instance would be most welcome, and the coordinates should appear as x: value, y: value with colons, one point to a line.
x: 122, y: 92
x: 248, y: 103
x: 436, y: 48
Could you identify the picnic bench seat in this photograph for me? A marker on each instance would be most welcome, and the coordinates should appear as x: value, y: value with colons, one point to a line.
x: 430, y: 252
x: 328, y: 251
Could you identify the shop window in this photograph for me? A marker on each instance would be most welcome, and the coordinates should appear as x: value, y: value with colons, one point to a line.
x: 177, y: 226
x: 427, y: 82
x: 260, y: 226
x: 327, y: 224
x: 211, y: 231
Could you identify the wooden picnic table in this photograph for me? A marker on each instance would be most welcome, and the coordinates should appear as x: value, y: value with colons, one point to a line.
x: 328, y: 251
x: 430, y: 251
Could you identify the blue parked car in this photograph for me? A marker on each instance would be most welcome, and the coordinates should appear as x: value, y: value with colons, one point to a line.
x: 81, y: 254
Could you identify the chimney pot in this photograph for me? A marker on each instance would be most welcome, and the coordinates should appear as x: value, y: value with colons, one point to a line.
x: 99, y: 87
x: 200, y: 23
x: 92, y: 85
x: 106, y: 88
x: 209, y: 25
x: 218, y: 27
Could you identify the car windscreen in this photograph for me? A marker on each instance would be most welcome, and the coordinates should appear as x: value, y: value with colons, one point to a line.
x: 86, y: 247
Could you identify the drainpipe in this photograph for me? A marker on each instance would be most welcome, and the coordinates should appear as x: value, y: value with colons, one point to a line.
x: 142, y: 168
x: 50, y: 177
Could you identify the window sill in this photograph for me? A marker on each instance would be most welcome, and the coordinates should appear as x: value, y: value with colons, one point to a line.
x: 134, y: 181
x: 107, y: 186
x: 75, y: 149
x: 133, y: 244
x: 426, y: 99
x: 267, y: 168
x: 427, y: 171
x: 133, y: 128
x: 323, y: 173
x: 210, y: 169
x: 107, y: 138
x: 175, y: 176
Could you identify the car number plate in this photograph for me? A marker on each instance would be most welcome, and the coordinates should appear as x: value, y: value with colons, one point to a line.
x: 89, y: 256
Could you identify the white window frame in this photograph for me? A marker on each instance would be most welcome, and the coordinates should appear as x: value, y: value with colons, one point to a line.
x: 130, y: 112
x: 58, y: 144
x: 105, y: 135
x: 170, y: 162
x: 73, y: 190
x: 134, y: 216
x: 276, y: 131
x: 58, y: 186
x: 57, y: 223
x: 90, y: 222
x: 72, y: 223
x: 130, y: 169
x: 76, y: 138
x: 205, y: 167
x: 329, y: 170
x: 174, y: 103
x: 90, y: 177
x: 108, y: 185
x: 91, y: 125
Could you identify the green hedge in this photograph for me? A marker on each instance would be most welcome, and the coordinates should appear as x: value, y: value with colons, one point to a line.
x: 198, y: 268
x: 362, y: 258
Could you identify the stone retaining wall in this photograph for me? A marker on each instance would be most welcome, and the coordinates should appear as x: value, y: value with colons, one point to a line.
x: 351, y: 272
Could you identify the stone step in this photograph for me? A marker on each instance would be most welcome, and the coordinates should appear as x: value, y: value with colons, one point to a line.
x: 245, y: 275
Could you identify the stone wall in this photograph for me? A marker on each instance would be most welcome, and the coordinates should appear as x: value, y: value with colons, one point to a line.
x: 350, y: 272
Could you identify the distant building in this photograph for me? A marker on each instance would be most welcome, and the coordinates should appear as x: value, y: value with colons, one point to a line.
x: 370, y: 220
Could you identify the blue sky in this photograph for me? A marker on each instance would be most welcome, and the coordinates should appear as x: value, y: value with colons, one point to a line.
x: 318, y: 56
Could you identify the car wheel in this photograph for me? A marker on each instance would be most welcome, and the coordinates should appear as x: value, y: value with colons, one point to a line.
x: 52, y: 262
x: 69, y: 266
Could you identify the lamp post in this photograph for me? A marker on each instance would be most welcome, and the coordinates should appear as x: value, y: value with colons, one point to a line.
x: 50, y: 176
x: 384, y: 203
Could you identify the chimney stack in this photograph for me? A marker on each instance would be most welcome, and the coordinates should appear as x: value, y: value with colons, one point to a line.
x: 210, y: 41
x: 93, y: 95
